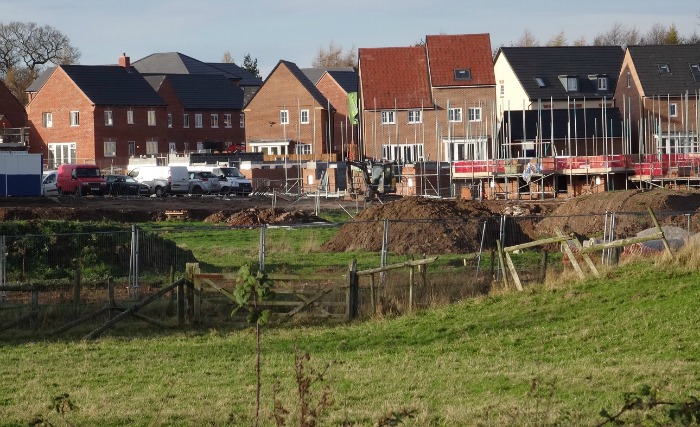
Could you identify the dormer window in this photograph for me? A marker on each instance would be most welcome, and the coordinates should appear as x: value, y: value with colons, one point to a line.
x: 602, y: 84
x: 570, y: 83
x: 463, y: 74
x: 695, y: 70
x: 664, y: 69
x: 540, y: 82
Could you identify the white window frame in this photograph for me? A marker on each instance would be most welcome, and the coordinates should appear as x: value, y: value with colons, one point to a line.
x: 109, y: 118
x: 132, y: 148
x: 454, y: 115
x: 74, y: 118
x: 388, y: 117
x: 152, y: 147
x: 61, y: 153
x: 170, y: 120
x: 466, y: 149
x: 214, y: 121
x: 198, y: 120
x: 47, y: 119
x: 474, y: 114
x: 185, y: 120
x: 304, y: 117
x: 415, y: 117
x: 129, y: 117
x: 303, y: 149
x: 503, y: 90
x: 241, y: 121
x: 602, y: 83
x: 227, y: 120
x: 151, y: 117
x: 110, y: 148
x: 673, y: 109
x: 172, y: 147
x: 571, y: 84
x: 403, y: 153
x: 284, y: 117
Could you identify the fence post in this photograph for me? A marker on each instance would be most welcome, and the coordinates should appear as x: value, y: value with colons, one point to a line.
x: 543, y: 266
x: 411, y: 273
x: 110, y: 293
x: 181, y: 304
x: 352, y: 293
x: 372, y: 296
x: 3, y: 269
x: 34, y: 319
x: 76, y: 290
x: 261, y: 255
x: 385, y: 249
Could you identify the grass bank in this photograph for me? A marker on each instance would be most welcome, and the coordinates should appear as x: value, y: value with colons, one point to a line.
x: 553, y: 354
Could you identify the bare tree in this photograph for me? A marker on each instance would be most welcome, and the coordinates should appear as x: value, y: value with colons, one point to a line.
x: 618, y: 35
x: 335, y: 56
x: 227, y: 58
x: 558, y: 40
x: 527, y: 40
x: 581, y: 41
x: 26, y: 47
x: 655, y: 35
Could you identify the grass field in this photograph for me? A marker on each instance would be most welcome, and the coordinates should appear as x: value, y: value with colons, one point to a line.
x: 555, y: 354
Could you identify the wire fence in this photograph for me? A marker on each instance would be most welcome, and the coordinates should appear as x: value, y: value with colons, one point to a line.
x: 137, y: 261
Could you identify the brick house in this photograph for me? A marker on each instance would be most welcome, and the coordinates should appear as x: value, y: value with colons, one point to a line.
x: 13, y: 120
x: 336, y: 86
x: 658, y: 90
x: 204, y: 112
x: 289, y: 117
x: 432, y: 102
x: 96, y: 114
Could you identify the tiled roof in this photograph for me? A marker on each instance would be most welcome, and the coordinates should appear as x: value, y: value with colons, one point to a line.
x: 394, y: 77
x: 315, y: 74
x: 206, y: 92
x: 678, y: 58
x: 39, y: 82
x: 113, y: 85
x: 583, y: 123
x: 346, y: 79
x: 550, y: 62
x: 447, y: 53
x: 247, y: 79
x: 308, y: 85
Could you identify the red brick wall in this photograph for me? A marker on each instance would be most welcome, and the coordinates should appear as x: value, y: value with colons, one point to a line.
x: 11, y: 108
x: 343, y: 132
x: 282, y: 90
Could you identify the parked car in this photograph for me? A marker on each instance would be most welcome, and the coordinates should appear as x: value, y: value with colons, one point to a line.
x: 48, y: 182
x: 124, y: 185
x: 209, y: 182
x: 80, y: 180
x: 162, y: 180
x: 232, y: 180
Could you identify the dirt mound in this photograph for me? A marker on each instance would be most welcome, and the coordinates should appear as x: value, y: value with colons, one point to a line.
x: 585, y: 215
x: 258, y: 216
x: 451, y: 228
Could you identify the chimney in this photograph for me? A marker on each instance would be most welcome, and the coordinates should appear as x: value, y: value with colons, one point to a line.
x: 124, y: 61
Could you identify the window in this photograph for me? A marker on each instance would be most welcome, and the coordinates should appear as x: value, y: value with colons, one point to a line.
x: 664, y: 69
x: 503, y: 91
x: 454, y: 115
x: 284, y: 117
x: 47, y: 120
x: 388, y: 118
x: 152, y: 147
x: 227, y: 120
x: 414, y: 116
x: 474, y: 114
x: 302, y: 149
x: 109, y: 118
x: 695, y: 71
x: 403, y: 153
x: 151, y: 118
x: 571, y: 84
x: 132, y: 148
x: 672, y: 110
x: 629, y: 79
x: 602, y: 83
x: 304, y: 117
x: 61, y: 153
x: 466, y: 149
x: 185, y: 120
x: 75, y: 118
x: 130, y: 117
x: 242, y: 120
x: 540, y: 82
x: 214, y: 120
x: 198, y: 120
x: 110, y: 148
x: 170, y: 120
x: 172, y: 147
x: 463, y: 74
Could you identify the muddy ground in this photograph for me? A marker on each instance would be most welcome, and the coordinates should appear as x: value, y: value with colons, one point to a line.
x: 583, y: 215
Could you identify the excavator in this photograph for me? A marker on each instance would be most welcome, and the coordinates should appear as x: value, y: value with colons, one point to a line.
x: 375, y: 178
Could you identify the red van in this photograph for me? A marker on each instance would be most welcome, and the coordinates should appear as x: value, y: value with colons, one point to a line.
x: 80, y: 179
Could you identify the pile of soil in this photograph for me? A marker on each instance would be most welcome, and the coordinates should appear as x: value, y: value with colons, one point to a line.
x: 258, y: 216
x: 585, y: 215
x: 452, y: 227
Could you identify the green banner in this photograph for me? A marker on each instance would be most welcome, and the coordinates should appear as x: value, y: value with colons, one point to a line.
x: 352, y: 107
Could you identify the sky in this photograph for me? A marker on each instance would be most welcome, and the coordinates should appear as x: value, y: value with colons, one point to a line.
x: 295, y: 30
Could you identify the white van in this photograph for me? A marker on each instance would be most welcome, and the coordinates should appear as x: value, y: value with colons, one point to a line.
x: 235, y: 182
x: 163, y: 180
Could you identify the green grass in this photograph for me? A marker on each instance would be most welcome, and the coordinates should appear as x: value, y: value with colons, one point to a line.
x: 472, y: 363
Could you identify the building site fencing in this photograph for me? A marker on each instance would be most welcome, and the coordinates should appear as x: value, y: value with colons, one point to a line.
x: 400, y: 265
